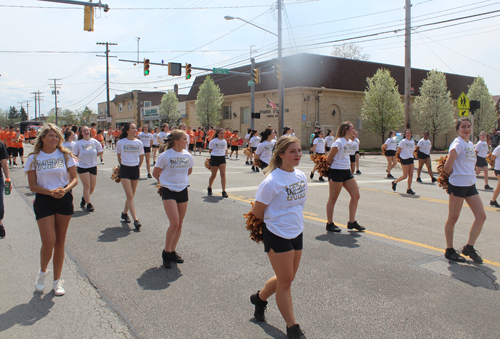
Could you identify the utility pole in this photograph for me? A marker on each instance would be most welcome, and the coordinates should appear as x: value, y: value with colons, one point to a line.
x: 28, y: 109
x: 55, y: 92
x: 281, y: 119
x: 408, y: 64
x: 35, y: 93
x: 107, y: 73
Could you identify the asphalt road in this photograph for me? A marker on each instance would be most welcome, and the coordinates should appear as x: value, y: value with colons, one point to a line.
x: 389, y: 282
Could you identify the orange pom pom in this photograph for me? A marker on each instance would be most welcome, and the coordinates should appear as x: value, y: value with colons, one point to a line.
x: 207, y: 164
x: 115, y: 174
x: 254, y: 225
x: 443, y: 176
x: 158, y: 189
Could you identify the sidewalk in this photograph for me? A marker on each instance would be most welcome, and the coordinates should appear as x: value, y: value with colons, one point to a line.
x: 25, y: 313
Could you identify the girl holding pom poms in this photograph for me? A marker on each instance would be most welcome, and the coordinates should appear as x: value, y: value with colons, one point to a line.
x: 264, y: 151
x: 318, y: 148
x: 462, y: 186
x: 330, y: 138
x: 390, y: 146
x: 280, y: 202
x: 217, y: 149
x: 172, y: 171
x: 405, y: 150
x: 254, y: 142
x: 481, y: 153
x: 423, y: 154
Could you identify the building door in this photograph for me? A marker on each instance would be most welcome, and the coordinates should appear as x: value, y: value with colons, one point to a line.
x: 331, y: 118
x: 245, y: 120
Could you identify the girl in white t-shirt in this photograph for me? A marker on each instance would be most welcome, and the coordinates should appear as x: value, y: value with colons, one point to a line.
x: 319, y: 148
x: 217, y: 149
x: 390, y: 146
x: 254, y: 142
x: 330, y: 138
x: 156, y: 144
x: 51, y: 175
x: 69, y: 143
x: 339, y: 175
x: 246, y: 141
x: 163, y: 135
x: 147, y: 141
x: 356, y: 153
x: 172, y: 171
x: 264, y: 151
x: 405, y: 151
x: 423, y: 154
x: 495, y: 156
x: 87, y: 150
x: 481, y: 153
x: 130, y: 153
x: 279, y: 202
x: 462, y: 186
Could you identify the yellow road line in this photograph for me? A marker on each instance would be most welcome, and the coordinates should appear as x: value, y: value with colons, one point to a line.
x: 381, y: 235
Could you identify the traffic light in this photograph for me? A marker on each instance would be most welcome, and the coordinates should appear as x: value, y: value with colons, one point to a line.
x: 146, y: 67
x: 188, y: 71
x: 256, y: 75
x: 88, y: 19
x: 277, y: 72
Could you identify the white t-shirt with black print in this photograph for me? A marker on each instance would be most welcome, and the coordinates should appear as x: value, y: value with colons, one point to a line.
x: 482, y: 149
x: 175, y: 167
x: 51, y: 168
x: 163, y: 135
x: 146, y: 138
x: 463, y: 167
x: 319, y: 145
x: 254, y: 141
x: 218, y: 147
x: 86, y: 151
x: 424, y: 146
x: 496, y: 152
x: 407, y: 148
x: 130, y: 151
x: 341, y: 160
x: 155, y: 139
x: 329, y: 140
x: 391, y: 143
x: 265, y: 150
x: 69, y: 145
x: 284, y: 193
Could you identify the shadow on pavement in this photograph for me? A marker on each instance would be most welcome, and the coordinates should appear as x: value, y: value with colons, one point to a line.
x: 212, y: 198
x: 270, y: 330
x: 111, y: 234
x: 80, y: 213
x: 476, y: 275
x: 341, y: 239
x: 27, y: 314
x: 159, y: 278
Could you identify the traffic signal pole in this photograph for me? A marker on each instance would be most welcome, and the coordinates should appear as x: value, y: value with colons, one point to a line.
x: 107, y: 77
x: 281, y: 119
x: 252, y: 94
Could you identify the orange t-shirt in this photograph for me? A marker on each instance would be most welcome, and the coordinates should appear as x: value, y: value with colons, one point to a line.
x: 191, y: 136
x: 99, y: 138
x: 93, y: 133
x: 20, y: 143
x: 227, y: 135
x: 116, y: 133
x: 9, y: 136
x: 210, y: 134
x: 199, y: 136
x: 234, y: 140
x: 2, y: 136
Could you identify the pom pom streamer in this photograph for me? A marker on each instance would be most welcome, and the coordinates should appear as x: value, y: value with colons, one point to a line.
x: 254, y: 225
x: 207, y: 164
x: 115, y: 174
x: 443, y: 176
x: 257, y: 163
x: 247, y: 151
x: 489, y: 160
x: 158, y: 189
x: 398, y: 157
x: 320, y: 164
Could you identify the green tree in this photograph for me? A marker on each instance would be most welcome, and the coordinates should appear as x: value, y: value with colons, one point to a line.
x: 208, y: 103
x: 168, y: 108
x: 382, y: 109
x: 23, y: 115
x: 485, y: 117
x: 83, y: 117
x: 350, y: 51
x: 433, y: 108
x: 13, y: 114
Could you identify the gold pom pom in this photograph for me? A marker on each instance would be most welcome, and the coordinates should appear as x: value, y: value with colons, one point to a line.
x: 443, y: 176
x: 320, y: 164
x: 254, y: 225
x: 415, y: 153
x: 257, y: 163
x: 115, y: 174
x: 489, y: 160
x: 158, y: 189
x: 207, y: 164
x: 247, y: 151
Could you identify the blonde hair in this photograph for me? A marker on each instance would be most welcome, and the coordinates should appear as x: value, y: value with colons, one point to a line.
x: 176, y: 134
x: 343, y: 129
x: 280, y: 148
x: 39, y: 143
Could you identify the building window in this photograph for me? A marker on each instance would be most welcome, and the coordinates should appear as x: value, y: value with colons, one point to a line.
x: 120, y: 107
x: 147, y: 103
x: 245, y: 115
x: 226, y: 112
x: 130, y: 105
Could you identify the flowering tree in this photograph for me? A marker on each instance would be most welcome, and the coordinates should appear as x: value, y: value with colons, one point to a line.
x: 208, y: 103
x: 168, y: 108
x: 485, y: 117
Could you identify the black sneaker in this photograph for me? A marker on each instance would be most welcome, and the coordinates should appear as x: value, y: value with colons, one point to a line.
x: 419, y: 180
x: 488, y: 187
x: 355, y: 225
x: 295, y: 332
x: 358, y: 172
x: 434, y: 179
x: 256, y: 169
x: 410, y: 192
x: 394, y: 186
x: 470, y: 252
x: 137, y: 224
x: 253, y: 168
x: 82, y: 203
x: 260, y: 307
x: 453, y: 255
x: 154, y: 163
x: 494, y: 203
x: 332, y: 227
x: 149, y: 175
x: 390, y: 176
x: 209, y: 190
x: 247, y: 163
x: 312, y: 175
x: 125, y: 217
x: 175, y: 257
x: 90, y: 208
x: 321, y: 179
x: 167, y: 259
x: 224, y: 194
x: 2, y: 231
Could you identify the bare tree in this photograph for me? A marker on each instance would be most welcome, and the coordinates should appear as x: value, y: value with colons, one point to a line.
x: 350, y: 51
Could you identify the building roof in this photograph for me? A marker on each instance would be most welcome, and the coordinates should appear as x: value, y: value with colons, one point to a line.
x: 312, y: 70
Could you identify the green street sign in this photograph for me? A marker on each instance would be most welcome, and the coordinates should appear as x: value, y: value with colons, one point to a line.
x: 251, y: 83
x: 221, y: 71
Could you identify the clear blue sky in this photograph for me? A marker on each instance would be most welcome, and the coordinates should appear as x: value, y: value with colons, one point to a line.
x: 46, y: 40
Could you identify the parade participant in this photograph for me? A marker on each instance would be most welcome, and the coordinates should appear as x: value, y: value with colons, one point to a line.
x: 339, y: 175
x: 405, y: 150
x: 69, y: 136
x: 172, y: 171
x: 93, y: 131
x: 481, y: 153
x: 156, y: 144
x: 116, y: 135
x: 183, y: 127
x: 209, y: 135
x: 319, y: 148
x: 246, y: 142
x: 10, y: 135
x: 130, y: 153
x: 5, y: 167
x: 199, y: 135
x: 264, y: 151
x: 109, y: 138
x: 234, y: 140
x: 190, y: 133
x: 356, y: 154
x: 17, y: 147
x: 330, y: 138
x: 281, y: 208
x: 495, y: 156
x: 51, y: 175
x: 87, y: 150
x: 494, y: 139
x: 254, y: 142
x: 26, y: 136
x: 99, y: 137
x: 227, y: 137
x: 313, y: 136
x: 352, y: 155
x: 163, y: 135
x: 461, y: 186
x: 147, y: 141
x: 217, y: 149
x: 287, y: 131
x: 423, y: 154
x: 390, y: 146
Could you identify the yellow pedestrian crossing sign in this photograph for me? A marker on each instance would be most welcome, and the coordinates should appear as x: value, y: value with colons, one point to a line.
x: 463, y: 105
x: 463, y: 113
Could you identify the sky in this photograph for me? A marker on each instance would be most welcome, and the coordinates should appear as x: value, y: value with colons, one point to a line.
x: 45, y: 40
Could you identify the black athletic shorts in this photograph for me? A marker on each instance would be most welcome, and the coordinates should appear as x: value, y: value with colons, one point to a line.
x: 199, y: 144
x: 91, y: 170
x: 234, y: 148
x: 179, y: 197
x: 461, y: 191
x: 191, y: 147
x: 9, y: 150
x: 339, y: 175
x: 481, y: 162
x: 352, y: 158
x: 408, y: 161
x: 357, y: 152
x: 45, y: 205
x: 13, y: 151
x: 217, y: 160
x: 279, y: 244
x: 390, y: 153
x: 147, y: 149
x: 20, y: 151
x: 155, y: 146
x: 263, y: 164
x: 328, y: 148
x: 129, y: 172
x: 422, y: 155
x: 253, y: 149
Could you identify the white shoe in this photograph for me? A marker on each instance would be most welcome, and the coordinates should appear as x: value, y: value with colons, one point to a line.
x: 58, y: 287
x: 237, y: 158
x: 40, y: 281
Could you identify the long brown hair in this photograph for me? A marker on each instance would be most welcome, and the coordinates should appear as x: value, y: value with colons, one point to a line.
x: 176, y: 134
x: 280, y: 148
x: 343, y: 129
x: 39, y: 143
